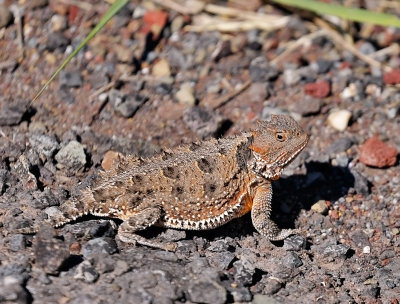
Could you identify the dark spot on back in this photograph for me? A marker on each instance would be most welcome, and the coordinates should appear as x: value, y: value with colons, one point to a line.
x: 194, y: 147
x: 177, y: 191
x: 171, y: 172
x: 137, y: 179
x: 134, y: 201
x: 165, y: 155
x: 79, y: 205
x: 119, y: 184
x: 102, y: 194
x: 210, y: 188
x: 205, y: 165
x: 242, y: 155
x: 222, y: 150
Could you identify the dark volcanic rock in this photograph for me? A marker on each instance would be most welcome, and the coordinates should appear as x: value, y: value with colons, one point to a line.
x: 204, y: 290
x: 50, y: 252
x: 11, y: 112
x: 203, y: 122
x: 98, y: 246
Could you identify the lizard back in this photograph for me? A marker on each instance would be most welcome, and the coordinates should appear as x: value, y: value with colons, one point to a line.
x: 193, y: 184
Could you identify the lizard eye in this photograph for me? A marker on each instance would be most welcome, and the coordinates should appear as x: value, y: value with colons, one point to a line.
x: 280, y: 136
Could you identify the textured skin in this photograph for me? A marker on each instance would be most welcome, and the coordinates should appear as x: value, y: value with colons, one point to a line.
x: 198, y: 186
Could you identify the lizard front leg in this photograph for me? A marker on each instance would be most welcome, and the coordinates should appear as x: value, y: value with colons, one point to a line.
x: 260, y: 215
x: 139, y: 221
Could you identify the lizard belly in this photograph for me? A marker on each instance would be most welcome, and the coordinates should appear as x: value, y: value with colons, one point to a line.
x: 236, y: 207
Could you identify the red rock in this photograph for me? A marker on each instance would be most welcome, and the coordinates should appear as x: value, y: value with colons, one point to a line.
x: 334, y: 214
x: 392, y: 77
x: 73, y: 13
x: 319, y: 89
x: 345, y: 65
x: 154, y: 21
x: 376, y: 153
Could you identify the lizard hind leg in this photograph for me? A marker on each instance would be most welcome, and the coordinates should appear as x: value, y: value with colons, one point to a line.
x: 260, y: 215
x: 140, y: 221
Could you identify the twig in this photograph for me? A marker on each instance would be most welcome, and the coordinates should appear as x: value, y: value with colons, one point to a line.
x: 302, y: 41
x: 83, y: 5
x: 393, y: 49
x: 247, y: 15
x: 196, y: 6
x: 216, y: 24
x: 339, y: 40
x: 101, y: 90
x: 227, y: 97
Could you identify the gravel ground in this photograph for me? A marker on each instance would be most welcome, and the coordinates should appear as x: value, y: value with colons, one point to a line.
x: 147, y: 82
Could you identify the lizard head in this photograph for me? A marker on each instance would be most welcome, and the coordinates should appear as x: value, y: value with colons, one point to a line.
x: 275, y: 144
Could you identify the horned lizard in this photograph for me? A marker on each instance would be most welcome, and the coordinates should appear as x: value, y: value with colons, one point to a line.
x: 198, y: 187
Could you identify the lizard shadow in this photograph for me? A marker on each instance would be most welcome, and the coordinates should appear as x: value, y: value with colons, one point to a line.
x: 322, y: 182
x: 291, y: 195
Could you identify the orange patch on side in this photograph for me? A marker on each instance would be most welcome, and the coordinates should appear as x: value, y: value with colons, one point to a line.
x: 257, y: 149
x: 247, y: 204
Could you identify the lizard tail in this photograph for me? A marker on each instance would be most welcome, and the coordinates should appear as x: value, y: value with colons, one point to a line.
x: 67, y: 212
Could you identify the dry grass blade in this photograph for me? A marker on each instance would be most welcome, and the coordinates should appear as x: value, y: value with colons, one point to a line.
x: 191, y: 7
x: 303, y: 41
x: 340, y: 41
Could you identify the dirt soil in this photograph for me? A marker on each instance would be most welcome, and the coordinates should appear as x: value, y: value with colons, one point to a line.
x: 147, y: 81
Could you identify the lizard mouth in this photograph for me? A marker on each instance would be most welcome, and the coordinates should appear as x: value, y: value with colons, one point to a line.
x: 273, y: 170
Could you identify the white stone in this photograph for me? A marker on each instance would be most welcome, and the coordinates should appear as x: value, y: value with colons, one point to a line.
x: 367, y: 249
x: 185, y: 94
x: 339, y: 119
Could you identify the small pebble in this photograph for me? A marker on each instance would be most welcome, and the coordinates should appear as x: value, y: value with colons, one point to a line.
x: 86, y: 272
x: 71, y: 79
x: 261, y: 70
x: 109, y: 158
x: 17, y: 242
x: 203, y: 122
x: 339, y: 119
x: 320, y: 207
x: 378, y: 154
x: 185, y: 94
x: 319, y: 89
x: 367, y: 249
x: 55, y: 41
x: 126, y: 105
x: 177, y: 24
x: 161, y: 69
x: 58, y: 23
x: 349, y: 92
x: 72, y: 155
x: 205, y: 290
x: 5, y: 16
x: 291, y: 77
x: 373, y: 90
x: 11, y: 114
x: 339, y: 250
x: 98, y: 246
x: 392, y: 77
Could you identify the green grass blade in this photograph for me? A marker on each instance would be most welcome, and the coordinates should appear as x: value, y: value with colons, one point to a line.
x: 114, y: 8
x: 354, y: 14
